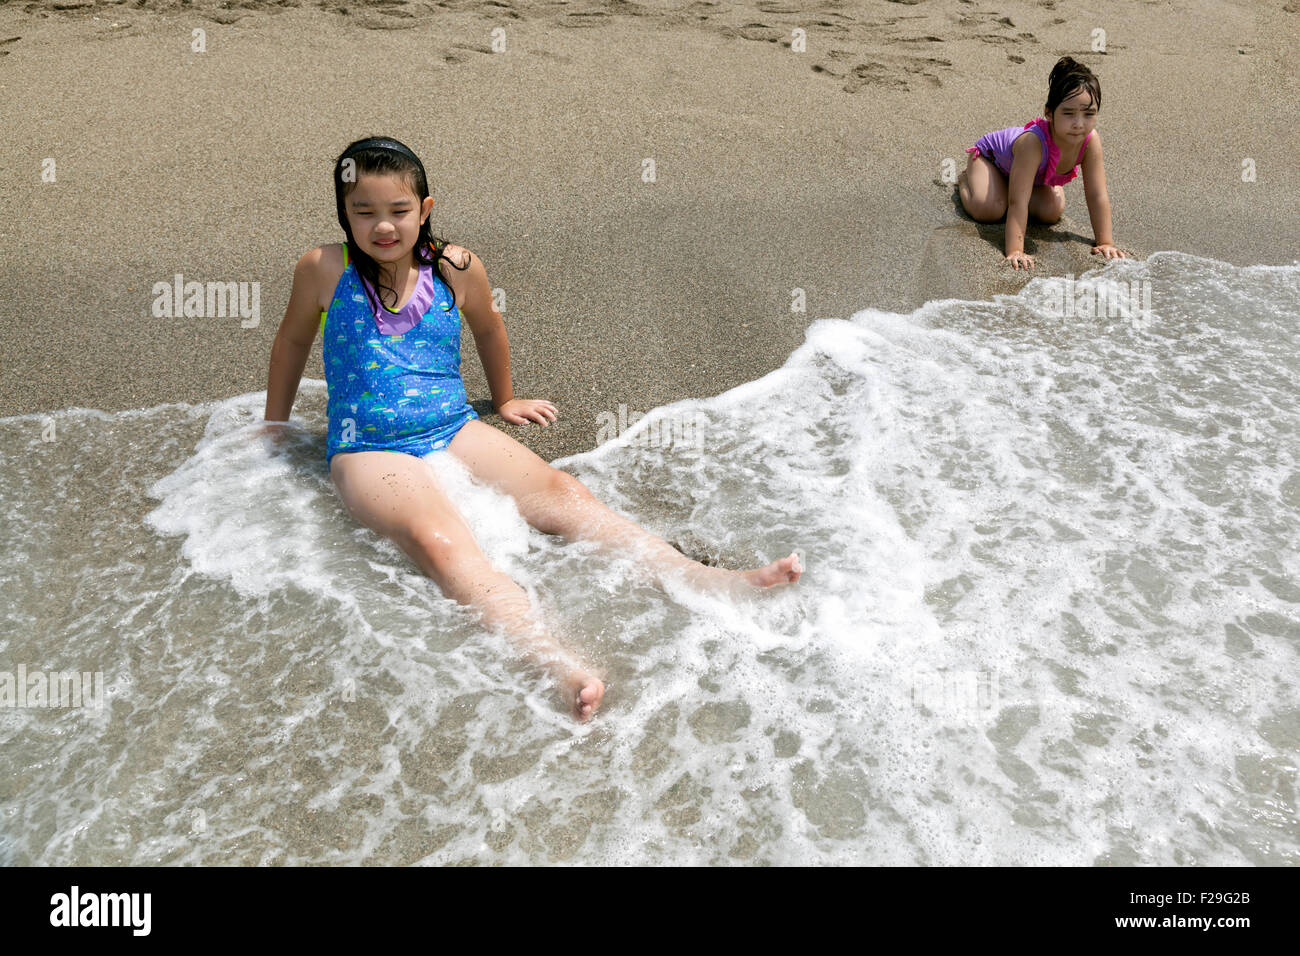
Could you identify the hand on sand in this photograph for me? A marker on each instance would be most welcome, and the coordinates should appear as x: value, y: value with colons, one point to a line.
x: 521, y: 411
x: 1109, y: 251
x: 1019, y: 258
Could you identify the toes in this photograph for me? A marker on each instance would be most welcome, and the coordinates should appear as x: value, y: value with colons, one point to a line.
x: 588, y: 699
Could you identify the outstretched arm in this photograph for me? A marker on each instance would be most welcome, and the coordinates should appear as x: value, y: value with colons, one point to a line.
x: 294, y: 338
x: 1026, y: 154
x: 493, y: 345
x: 1094, y: 191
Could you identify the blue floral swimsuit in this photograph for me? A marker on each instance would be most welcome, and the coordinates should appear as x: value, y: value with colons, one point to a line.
x: 393, y: 379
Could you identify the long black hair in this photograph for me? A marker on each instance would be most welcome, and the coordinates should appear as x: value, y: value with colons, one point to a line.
x: 387, y: 161
x: 1069, y: 76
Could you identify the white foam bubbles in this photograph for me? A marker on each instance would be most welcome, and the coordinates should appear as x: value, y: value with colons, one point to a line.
x: 1048, y: 616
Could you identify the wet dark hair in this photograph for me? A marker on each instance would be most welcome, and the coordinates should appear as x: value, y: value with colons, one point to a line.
x: 377, y: 160
x: 1069, y: 76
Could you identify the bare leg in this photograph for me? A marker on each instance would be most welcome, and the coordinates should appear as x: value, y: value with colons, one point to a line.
x: 983, y: 189
x: 398, y: 496
x: 1047, y: 203
x: 557, y: 503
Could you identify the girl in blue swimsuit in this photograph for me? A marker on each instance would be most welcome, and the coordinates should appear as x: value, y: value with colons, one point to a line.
x: 391, y: 325
x: 393, y: 376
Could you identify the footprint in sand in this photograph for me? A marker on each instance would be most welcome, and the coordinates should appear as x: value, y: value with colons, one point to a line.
x: 584, y: 19
x: 999, y: 38
x: 760, y: 31
x: 386, y: 15
x: 502, y: 9
x: 453, y: 57
x: 902, y: 74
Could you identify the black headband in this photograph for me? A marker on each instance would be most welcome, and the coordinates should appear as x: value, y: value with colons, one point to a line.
x: 381, y: 142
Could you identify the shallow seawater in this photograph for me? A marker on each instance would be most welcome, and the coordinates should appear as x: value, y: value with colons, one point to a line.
x: 1050, y: 615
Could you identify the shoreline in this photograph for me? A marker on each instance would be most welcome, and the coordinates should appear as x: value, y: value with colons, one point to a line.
x: 775, y: 171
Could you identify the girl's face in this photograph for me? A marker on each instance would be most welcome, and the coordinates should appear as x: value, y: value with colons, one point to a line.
x: 385, y: 216
x: 1075, y: 117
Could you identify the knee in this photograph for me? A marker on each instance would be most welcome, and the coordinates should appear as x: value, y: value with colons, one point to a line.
x: 562, y: 485
x: 437, y: 551
x: 556, y: 503
x: 982, y: 208
x: 986, y: 211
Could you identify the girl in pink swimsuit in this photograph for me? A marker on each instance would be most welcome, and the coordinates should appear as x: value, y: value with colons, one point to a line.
x: 1016, y: 171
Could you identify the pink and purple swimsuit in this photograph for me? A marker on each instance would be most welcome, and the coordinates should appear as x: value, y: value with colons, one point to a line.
x: 996, y: 147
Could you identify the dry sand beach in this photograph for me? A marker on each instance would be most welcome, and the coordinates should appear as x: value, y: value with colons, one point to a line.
x: 775, y: 170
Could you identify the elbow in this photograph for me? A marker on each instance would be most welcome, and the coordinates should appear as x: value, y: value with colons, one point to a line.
x: 493, y: 330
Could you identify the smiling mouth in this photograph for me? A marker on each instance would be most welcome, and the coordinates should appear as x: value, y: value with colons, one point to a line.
x: 390, y: 242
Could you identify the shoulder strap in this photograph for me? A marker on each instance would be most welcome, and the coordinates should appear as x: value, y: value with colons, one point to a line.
x: 1082, y: 148
x: 1039, y: 126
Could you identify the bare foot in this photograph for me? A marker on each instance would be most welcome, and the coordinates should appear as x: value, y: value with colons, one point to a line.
x: 785, y: 571
x: 584, y: 691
